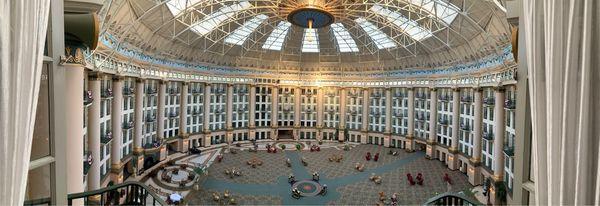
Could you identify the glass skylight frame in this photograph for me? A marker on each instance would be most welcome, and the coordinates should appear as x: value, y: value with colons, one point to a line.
x: 277, y: 37
x: 177, y: 7
x: 310, y: 41
x: 444, y: 11
x: 409, y: 26
x: 210, y: 22
x: 343, y: 38
x: 381, y: 40
x: 241, y: 34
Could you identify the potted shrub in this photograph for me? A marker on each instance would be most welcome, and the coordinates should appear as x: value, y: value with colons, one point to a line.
x: 298, y: 147
x: 346, y: 147
x: 282, y: 146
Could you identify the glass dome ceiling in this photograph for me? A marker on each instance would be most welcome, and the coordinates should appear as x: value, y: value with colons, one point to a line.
x: 366, y: 35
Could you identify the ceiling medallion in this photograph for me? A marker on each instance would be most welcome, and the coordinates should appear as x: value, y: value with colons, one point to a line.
x: 311, y: 13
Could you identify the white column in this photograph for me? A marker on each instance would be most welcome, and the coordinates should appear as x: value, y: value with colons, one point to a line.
x: 433, y: 116
x: 388, y: 117
x: 74, y: 118
x: 160, y: 114
x: 411, y: 120
x: 252, y: 112
x: 455, y: 118
x: 207, y: 138
x: 117, y: 130
x: 477, y: 124
x: 93, y: 178
x: 274, y: 108
x: 297, y: 106
x: 229, y: 114
x: 183, y: 102
x: 320, y: 107
x: 139, y: 117
x: 365, y: 114
x: 342, y: 125
x: 499, y: 127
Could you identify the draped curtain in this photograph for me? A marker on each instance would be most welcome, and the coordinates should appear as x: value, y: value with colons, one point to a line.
x: 563, y: 60
x: 22, y: 33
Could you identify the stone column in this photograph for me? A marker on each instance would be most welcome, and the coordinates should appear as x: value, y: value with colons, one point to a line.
x: 117, y: 130
x: 74, y: 120
x: 297, y: 111
x: 207, y: 137
x: 342, y: 126
x: 138, y: 150
x: 93, y: 178
x: 499, y: 128
x: 388, y: 117
x: 320, y: 108
x: 365, y: 115
x: 453, y: 150
x: 475, y: 161
x: 410, y: 142
x: 229, y: 114
x: 432, y: 140
x: 160, y: 116
x: 252, y: 112
x: 274, y: 109
x: 183, y: 102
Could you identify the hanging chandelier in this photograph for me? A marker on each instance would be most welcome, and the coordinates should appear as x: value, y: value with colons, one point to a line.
x: 311, y: 14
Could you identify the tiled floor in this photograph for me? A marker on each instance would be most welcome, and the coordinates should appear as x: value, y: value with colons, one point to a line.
x: 267, y: 184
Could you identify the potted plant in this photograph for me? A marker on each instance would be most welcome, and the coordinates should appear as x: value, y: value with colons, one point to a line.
x: 282, y: 146
x: 500, y: 192
x: 346, y: 147
x: 298, y: 147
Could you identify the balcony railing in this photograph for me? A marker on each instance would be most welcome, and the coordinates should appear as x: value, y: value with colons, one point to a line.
x: 195, y: 112
x: 400, y: 115
x: 488, y: 101
x: 131, y: 193
x: 87, y: 162
x: 308, y: 111
x: 488, y: 135
x: 196, y: 91
x: 106, y: 138
x: 128, y: 91
x: 465, y: 127
x: 510, y: 104
x: 399, y: 95
x: 150, y: 91
x: 443, y: 121
x: 241, y: 91
x: 376, y: 95
x: 375, y: 113
x: 353, y: 95
x: 421, y: 96
x: 353, y: 112
x: 107, y: 93
x: 509, y: 150
x: 241, y: 109
x: 173, y: 91
x: 219, y: 91
x: 331, y: 111
x: 452, y: 199
x: 466, y: 99
x: 150, y: 118
x: 173, y: 114
x: 88, y: 98
x: 309, y: 93
x: 444, y: 98
x: 127, y: 125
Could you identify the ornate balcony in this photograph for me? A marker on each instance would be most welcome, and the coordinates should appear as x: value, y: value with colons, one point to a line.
x: 308, y: 111
x: 194, y: 112
x: 510, y: 104
x: 488, y: 135
x: 443, y: 121
x: 444, y: 98
x: 331, y: 111
x: 107, y: 93
x: 128, y: 91
x: 242, y: 109
x: 219, y: 91
x: 87, y: 98
x: 399, y: 115
x: 421, y: 96
x: 331, y: 94
x: 399, y: 95
x: 150, y: 91
x: 376, y: 95
x: 375, y: 113
x: 150, y: 118
x: 173, y: 91
x: 489, y: 101
x: 127, y: 125
x: 173, y: 114
x: 466, y: 99
x: 241, y: 91
x: 509, y: 150
x: 353, y: 94
x: 465, y: 127
x: 87, y: 162
x: 217, y: 111
x: 106, y: 138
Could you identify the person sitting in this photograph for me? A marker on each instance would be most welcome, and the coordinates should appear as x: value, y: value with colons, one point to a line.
x: 219, y: 158
x: 315, y: 176
x: 410, y: 179
x: 291, y: 179
x: 394, y: 199
x: 376, y: 157
x: 324, y: 190
x: 368, y: 157
x: 420, y: 179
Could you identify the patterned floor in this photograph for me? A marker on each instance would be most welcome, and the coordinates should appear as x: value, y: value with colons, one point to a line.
x: 268, y: 184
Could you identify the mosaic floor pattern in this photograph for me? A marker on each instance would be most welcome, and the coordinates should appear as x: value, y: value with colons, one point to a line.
x: 268, y: 184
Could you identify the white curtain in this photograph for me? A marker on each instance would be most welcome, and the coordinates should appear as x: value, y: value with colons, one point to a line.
x: 22, y: 33
x: 563, y: 59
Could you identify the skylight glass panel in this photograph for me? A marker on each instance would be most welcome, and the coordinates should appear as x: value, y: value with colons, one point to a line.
x: 343, y: 38
x: 443, y: 10
x: 277, y: 36
x: 310, y: 42
x: 239, y: 36
x: 212, y: 21
x: 410, y: 27
x: 382, y: 40
x: 178, y: 6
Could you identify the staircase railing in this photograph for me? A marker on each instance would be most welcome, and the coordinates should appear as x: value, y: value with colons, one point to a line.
x: 451, y: 199
x: 135, y: 194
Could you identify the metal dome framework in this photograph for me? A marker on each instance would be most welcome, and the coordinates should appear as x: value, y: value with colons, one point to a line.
x: 479, y: 28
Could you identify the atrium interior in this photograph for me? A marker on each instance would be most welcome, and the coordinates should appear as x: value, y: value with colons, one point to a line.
x: 299, y: 102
